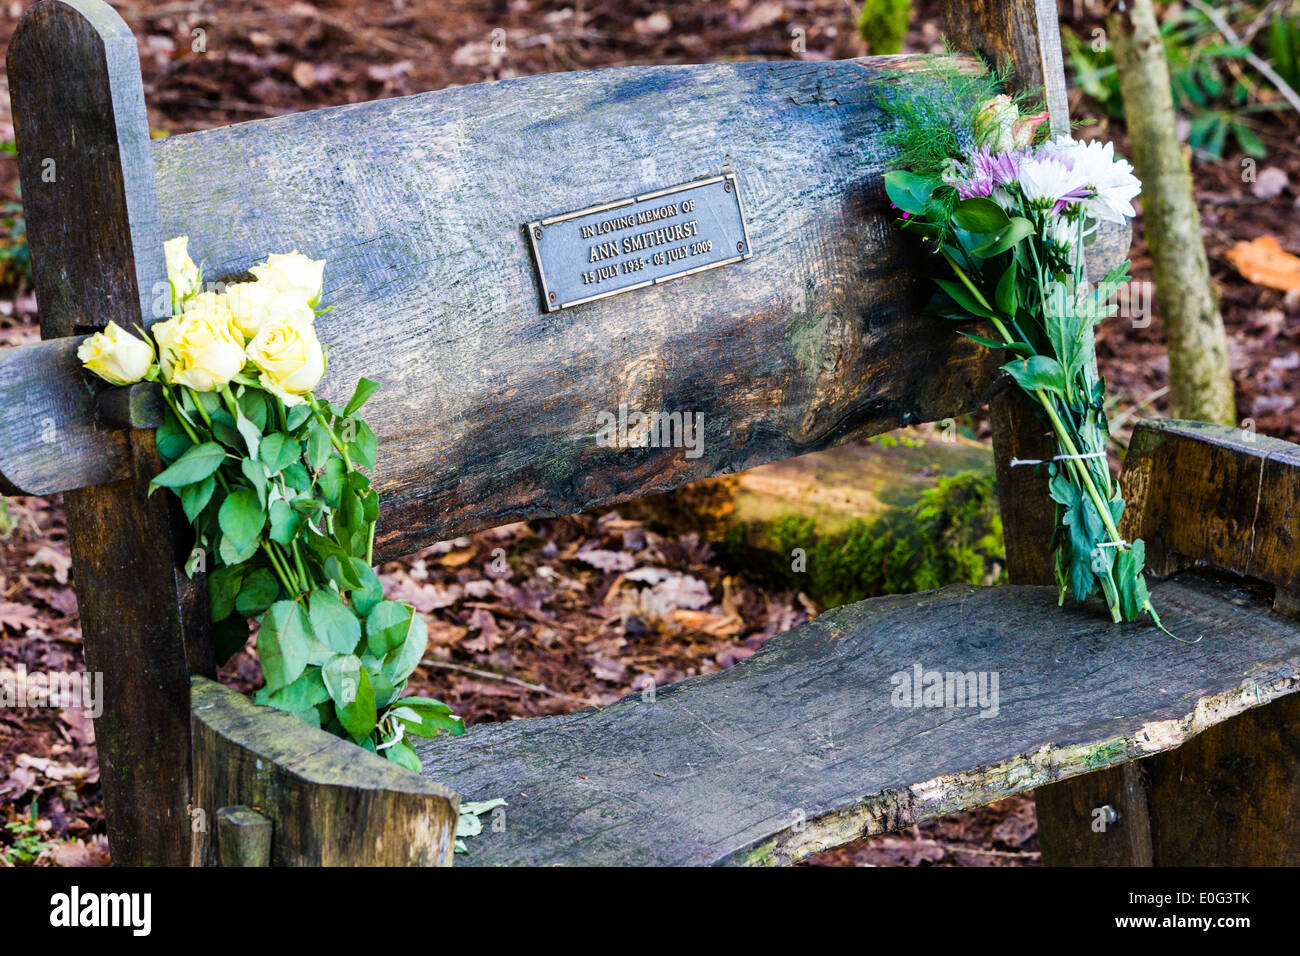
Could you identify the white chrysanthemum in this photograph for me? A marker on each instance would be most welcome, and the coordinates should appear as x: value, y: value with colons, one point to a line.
x: 1049, y: 178
x: 1111, y: 179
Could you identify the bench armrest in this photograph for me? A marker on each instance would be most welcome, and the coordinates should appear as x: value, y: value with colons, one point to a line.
x: 1214, y: 494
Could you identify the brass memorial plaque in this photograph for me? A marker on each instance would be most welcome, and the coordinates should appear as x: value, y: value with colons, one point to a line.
x: 637, y: 242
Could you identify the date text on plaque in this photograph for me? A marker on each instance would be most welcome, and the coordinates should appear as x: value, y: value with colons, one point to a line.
x: 639, y: 241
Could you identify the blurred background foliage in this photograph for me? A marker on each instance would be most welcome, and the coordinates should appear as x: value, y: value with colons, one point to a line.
x: 1218, y: 92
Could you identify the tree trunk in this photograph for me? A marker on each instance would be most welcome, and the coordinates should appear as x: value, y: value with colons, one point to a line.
x: 1200, y: 381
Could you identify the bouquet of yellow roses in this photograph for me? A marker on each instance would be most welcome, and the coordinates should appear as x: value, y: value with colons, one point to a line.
x: 270, y: 478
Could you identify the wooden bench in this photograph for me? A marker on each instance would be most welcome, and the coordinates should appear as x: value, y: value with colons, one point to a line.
x: 488, y: 416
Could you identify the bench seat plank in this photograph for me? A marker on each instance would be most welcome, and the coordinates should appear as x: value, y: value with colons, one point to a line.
x: 721, y: 768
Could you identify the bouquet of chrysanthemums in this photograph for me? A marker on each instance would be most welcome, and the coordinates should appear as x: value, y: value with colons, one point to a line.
x: 270, y: 477
x: 1010, y: 211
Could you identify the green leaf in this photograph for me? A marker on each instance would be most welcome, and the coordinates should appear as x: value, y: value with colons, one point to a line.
x: 962, y: 296
x: 296, y: 416
x: 1020, y: 348
x: 171, y: 439
x: 364, y: 446
x: 908, y: 191
x: 194, y: 498
x: 426, y: 717
x: 241, y: 518
x: 307, y: 691
x: 252, y: 435
x: 339, y: 569
x: 371, y: 591
x: 285, y: 522
x: 333, y: 621
x: 333, y: 480
x: 282, y: 644
x: 980, y: 215
x: 349, y: 687
x: 386, y: 627
x: 318, y: 446
x: 223, y: 587
x: 251, y: 469
x: 1038, y: 372
x: 1014, y: 232
x: 253, y: 406
x: 402, y: 660
x: 231, y: 554
x: 365, y: 388
x: 404, y: 755
x: 259, y: 590
x: 279, y: 451
x: 1006, y: 296
x: 192, y: 467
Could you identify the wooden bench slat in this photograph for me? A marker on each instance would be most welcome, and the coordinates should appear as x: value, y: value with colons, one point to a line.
x: 490, y: 410
x: 718, y: 769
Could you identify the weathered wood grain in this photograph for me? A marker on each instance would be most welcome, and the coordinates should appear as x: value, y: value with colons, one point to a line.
x: 1215, y: 494
x: 490, y: 410
x: 331, y: 803
x: 243, y: 837
x: 78, y: 103
x: 1093, y: 836
x: 1230, y: 796
x: 51, y: 438
x: 799, y: 748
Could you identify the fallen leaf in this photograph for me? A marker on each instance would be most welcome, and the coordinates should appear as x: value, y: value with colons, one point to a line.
x: 1264, y: 262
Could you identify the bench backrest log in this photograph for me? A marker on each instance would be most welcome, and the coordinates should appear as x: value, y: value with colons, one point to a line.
x: 490, y: 405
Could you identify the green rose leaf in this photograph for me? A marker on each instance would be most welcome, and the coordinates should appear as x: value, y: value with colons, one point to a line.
x: 194, y: 498
x: 404, y: 755
x: 426, y: 717
x: 259, y: 590
x: 318, y: 446
x: 402, y: 660
x: 386, y: 627
x: 279, y: 451
x: 192, y: 467
x: 333, y: 621
x: 282, y: 644
x: 285, y: 522
x: 365, y: 388
x: 223, y: 587
x: 349, y: 687
x: 241, y: 518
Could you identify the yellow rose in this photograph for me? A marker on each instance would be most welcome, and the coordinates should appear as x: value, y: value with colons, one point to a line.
x: 289, y: 356
x: 182, y: 273
x: 253, y: 304
x: 200, y: 347
x: 116, y: 355
x: 294, y: 274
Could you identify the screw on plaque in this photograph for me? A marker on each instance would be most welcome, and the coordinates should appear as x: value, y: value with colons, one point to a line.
x: 727, y: 185
x: 740, y: 247
x: 537, y: 233
x: 551, y: 296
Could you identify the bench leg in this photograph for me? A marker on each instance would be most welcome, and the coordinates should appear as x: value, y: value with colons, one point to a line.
x: 1228, y: 797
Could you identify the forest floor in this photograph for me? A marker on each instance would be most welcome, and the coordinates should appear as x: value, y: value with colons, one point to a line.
x: 568, y: 623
